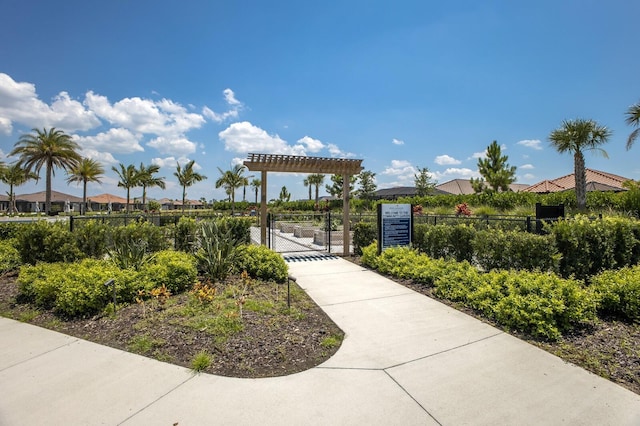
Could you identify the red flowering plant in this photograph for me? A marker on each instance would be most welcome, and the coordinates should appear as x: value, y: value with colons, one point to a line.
x: 417, y: 210
x: 463, y: 210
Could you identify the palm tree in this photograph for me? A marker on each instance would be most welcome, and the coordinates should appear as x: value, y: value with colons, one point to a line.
x: 147, y: 180
x: 316, y: 180
x: 15, y: 175
x: 187, y: 177
x: 576, y: 136
x: 633, y: 119
x: 306, y: 183
x: 51, y: 149
x: 256, y: 184
x: 87, y: 170
x: 128, y: 178
x: 231, y: 180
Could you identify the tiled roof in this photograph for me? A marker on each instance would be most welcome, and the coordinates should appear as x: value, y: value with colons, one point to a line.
x: 56, y: 197
x: 106, y: 198
x: 596, y: 181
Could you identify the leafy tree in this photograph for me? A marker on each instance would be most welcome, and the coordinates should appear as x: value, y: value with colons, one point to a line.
x: 633, y: 119
x: 494, y: 170
x: 231, y: 180
x: 335, y: 189
x: 128, y: 176
x: 256, y: 184
x: 87, y: 170
x: 316, y: 180
x: 186, y: 178
x: 576, y: 136
x: 424, y: 182
x: 368, y: 186
x: 146, y: 179
x: 284, y: 194
x: 49, y: 148
x: 15, y: 175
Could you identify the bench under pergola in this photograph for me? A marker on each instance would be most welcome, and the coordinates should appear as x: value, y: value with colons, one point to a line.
x: 302, y: 164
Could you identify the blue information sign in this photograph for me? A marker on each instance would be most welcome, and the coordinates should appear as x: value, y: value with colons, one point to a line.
x: 394, y: 225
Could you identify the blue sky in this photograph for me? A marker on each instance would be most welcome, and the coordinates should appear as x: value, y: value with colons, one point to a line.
x: 401, y: 84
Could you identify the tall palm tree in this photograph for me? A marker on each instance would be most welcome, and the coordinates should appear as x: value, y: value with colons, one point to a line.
x: 87, y: 170
x: 633, y: 119
x: 147, y: 180
x: 128, y: 178
x: 15, y: 175
x: 231, y: 180
x: 49, y: 148
x: 306, y: 183
x: 316, y: 180
x: 256, y: 184
x: 576, y: 136
x: 187, y: 177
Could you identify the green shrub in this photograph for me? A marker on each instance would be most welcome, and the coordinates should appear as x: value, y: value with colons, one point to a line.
x: 174, y: 269
x: 185, y: 234
x: 91, y: 238
x: 75, y: 289
x: 153, y: 236
x: 445, y: 241
x: 364, y: 233
x: 238, y: 227
x: 9, y: 255
x: 44, y: 241
x: 370, y: 255
x: 591, y: 246
x: 9, y: 230
x: 618, y: 292
x: 262, y: 262
x: 496, y: 249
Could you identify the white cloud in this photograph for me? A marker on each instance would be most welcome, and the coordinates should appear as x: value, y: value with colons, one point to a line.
x: 233, y: 112
x: 446, y: 160
x: 399, y: 167
x: 313, y: 145
x: 19, y: 103
x: 456, y: 173
x: 164, y: 162
x: 477, y: 155
x: 527, y: 167
x: 528, y: 177
x: 117, y: 140
x: 531, y: 143
x: 397, y: 141
x: 102, y: 157
x: 160, y: 118
x: 173, y: 145
x: 336, y: 152
x: 243, y: 137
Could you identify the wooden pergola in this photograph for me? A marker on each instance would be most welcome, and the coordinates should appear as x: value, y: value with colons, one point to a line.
x: 302, y: 164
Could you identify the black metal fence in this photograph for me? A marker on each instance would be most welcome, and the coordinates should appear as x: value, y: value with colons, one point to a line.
x: 298, y: 232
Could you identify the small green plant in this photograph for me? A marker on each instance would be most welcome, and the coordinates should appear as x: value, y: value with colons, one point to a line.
x: 144, y: 344
x: 331, y: 342
x: 217, y: 250
x: 129, y: 254
x: 260, y: 262
x: 9, y: 256
x: 201, y: 361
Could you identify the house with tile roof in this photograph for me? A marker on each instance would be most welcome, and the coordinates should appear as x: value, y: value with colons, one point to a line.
x: 596, y: 181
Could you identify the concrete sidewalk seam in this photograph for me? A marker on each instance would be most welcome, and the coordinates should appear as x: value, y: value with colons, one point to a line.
x: 156, y: 400
x: 369, y: 299
x: 413, y: 398
x: 40, y: 355
x: 445, y: 351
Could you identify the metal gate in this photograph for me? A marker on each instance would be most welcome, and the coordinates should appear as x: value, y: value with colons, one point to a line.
x: 303, y: 232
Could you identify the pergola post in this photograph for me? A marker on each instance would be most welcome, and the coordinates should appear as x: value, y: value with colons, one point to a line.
x: 263, y: 208
x: 345, y: 214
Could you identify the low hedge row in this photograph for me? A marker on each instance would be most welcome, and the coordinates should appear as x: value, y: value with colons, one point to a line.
x: 542, y: 304
x: 579, y: 248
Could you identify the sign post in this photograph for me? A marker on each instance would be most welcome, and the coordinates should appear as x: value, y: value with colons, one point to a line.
x: 395, y: 225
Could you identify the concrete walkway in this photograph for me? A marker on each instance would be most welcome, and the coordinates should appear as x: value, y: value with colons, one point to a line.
x: 406, y: 360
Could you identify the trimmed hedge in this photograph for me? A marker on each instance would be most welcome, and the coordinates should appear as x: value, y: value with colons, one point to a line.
x: 618, y: 293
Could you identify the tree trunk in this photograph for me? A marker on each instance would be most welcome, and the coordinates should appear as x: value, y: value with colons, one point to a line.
x: 184, y: 197
x: 581, y: 180
x: 84, y: 197
x: 47, y: 195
